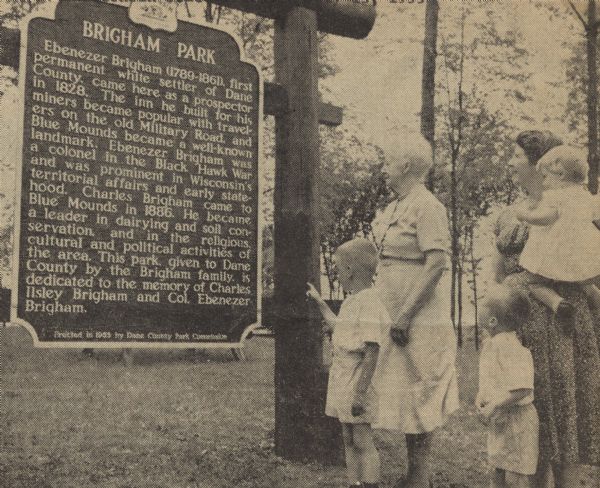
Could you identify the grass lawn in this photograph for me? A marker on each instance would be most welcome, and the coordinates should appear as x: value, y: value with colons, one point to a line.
x: 178, y: 420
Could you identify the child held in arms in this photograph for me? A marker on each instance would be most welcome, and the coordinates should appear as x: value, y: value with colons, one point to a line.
x: 357, y: 330
x: 505, y: 397
x: 563, y: 244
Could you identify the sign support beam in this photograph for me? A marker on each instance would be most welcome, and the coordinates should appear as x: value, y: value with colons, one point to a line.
x: 347, y: 18
x: 275, y: 96
x: 301, y: 429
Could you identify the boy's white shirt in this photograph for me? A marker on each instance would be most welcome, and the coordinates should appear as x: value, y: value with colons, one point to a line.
x: 505, y: 365
x: 363, y: 318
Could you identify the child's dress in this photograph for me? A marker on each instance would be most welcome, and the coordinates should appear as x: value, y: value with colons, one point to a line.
x: 513, y: 435
x: 361, y: 319
x: 569, y: 249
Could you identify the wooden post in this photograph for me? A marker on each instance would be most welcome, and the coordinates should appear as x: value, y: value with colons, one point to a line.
x: 302, y: 432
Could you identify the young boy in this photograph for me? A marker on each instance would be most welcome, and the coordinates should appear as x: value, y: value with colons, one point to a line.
x: 356, y: 338
x: 505, y: 398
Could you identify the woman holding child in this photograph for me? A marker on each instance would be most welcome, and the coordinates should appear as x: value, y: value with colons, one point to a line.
x: 416, y: 379
x: 560, y: 329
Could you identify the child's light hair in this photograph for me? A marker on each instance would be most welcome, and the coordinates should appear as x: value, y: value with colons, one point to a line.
x: 566, y: 160
x: 361, y: 254
x: 509, y: 305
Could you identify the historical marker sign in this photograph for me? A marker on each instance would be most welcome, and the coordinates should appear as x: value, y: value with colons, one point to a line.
x: 139, y: 183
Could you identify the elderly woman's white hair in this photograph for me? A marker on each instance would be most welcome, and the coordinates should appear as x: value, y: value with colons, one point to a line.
x: 415, y: 152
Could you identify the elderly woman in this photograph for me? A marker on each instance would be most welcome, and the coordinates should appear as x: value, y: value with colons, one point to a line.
x: 416, y: 379
x: 567, y: 383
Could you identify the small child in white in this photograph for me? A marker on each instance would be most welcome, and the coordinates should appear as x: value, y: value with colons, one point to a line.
x: 563, y: 243
x: 505, y: 397
x: 356, y: 337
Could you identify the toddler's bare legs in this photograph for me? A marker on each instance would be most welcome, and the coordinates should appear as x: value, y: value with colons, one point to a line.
x: 593, y: 293
x: 517, y: 480
x: 507, y: 479
x: 547, y: 296
x: 564, y: 310
x: 498, y: 267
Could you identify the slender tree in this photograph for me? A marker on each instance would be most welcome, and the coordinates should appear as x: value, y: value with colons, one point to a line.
x: 455, y: 118
x: 428, y: 79
x: 591, y: 34
x: 474, y: 270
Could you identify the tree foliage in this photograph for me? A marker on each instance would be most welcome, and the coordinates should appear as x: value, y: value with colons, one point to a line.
x: 353, y: 187
x: 474, y: 140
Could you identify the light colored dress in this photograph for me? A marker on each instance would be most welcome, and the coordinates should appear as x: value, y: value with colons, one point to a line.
x: 513, y: 436
x: 569, y: 249
x: 416, y: 384
x: 362, y: 319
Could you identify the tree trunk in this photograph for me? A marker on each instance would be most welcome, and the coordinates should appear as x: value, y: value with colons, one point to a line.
x: 428, y: 80
x: 592, y: 97
x: 459, y: 287
x: 456, y: 144
x: 459, y: 325
x: 474, y: 278
x: 454, y: 237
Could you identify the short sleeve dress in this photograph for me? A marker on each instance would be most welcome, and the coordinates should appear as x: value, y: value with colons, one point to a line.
x: 566, y: 379
x: 504, y: 366
x: 416, y: 384
x: 362, y: 319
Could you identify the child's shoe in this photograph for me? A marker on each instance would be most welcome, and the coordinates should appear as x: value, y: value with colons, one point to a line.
x: 565, y: 314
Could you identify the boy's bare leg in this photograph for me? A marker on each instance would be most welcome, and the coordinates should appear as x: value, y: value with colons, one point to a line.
x: 352, y: 459
x: 367, y: 453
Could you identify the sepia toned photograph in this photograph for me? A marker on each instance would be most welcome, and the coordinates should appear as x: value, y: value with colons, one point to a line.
x: 299, y: 244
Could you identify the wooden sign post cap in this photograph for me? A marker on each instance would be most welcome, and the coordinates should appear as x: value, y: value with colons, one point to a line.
x: 346, y: 18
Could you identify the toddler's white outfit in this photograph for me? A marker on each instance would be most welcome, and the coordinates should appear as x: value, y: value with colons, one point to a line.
x: 513, y: 435
x: 569, y: 249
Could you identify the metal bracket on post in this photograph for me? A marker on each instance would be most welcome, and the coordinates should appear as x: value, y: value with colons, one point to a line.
x: 238, y: 352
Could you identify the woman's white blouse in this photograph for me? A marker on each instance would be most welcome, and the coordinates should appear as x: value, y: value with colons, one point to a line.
x: 408, y: 228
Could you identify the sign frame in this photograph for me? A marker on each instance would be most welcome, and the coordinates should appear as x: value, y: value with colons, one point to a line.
x: 51, y: 15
